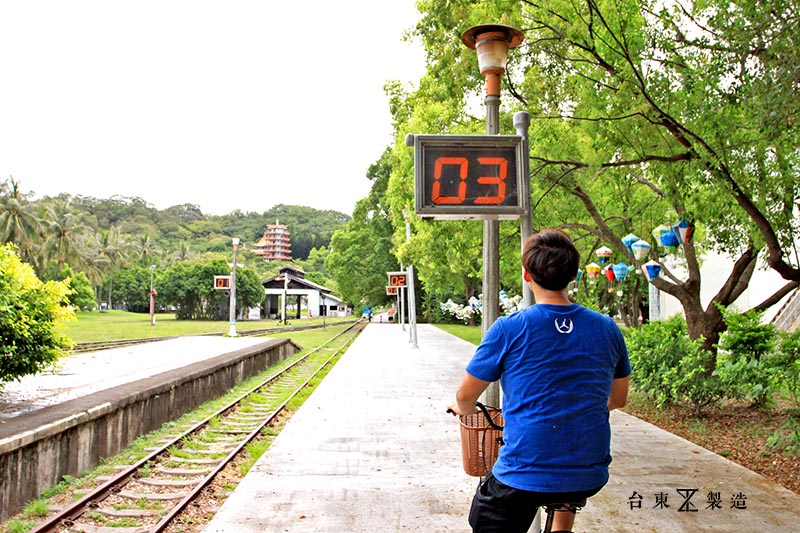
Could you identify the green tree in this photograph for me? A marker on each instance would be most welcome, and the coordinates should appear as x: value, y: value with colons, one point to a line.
x: 132, y: 289
x: 81, y: 293
x: 18, y: 221
x: 315, y: 269
x: 109, y: 253
x: 31, y: 313
x: 189, y: 286
x: 64, y: 230
x: 644, y: 109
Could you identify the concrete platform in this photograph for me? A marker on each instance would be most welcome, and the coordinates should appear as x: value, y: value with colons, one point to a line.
x: 65, y: 422
x: 85, y: 373
x: 373, y: 450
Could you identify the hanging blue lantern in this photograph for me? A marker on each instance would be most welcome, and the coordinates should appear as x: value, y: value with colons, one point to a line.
x: 578, y: 276
x: 670, y: 241
x: 628, y: 240
x: 651, y: 270
x: 659, y: 232
x: 683, y: 230
x: 640, y: 249
x: 620, y: 271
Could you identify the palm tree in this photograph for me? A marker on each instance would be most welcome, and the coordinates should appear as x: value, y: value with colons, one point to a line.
x: 112, y: 255
x: 18, y: 222
x: 64, y: 226
x: 145, y: 250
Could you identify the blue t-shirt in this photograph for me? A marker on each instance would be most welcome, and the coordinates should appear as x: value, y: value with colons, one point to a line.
x: 555, y: 364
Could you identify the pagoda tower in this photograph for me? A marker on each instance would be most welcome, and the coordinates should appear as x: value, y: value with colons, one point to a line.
x: 275, y: 245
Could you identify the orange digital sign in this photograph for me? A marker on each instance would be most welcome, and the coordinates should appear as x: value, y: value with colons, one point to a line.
x: 397, y: 279
x: 468, y: 176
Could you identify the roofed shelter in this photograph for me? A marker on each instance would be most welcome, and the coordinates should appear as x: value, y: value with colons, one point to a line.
x: 304, y: 298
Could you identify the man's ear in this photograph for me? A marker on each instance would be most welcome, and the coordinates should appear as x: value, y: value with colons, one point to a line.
x: 526, y: 276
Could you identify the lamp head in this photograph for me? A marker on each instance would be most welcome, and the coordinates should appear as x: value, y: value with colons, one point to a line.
x: 492, y: 43
x: 236, y: 241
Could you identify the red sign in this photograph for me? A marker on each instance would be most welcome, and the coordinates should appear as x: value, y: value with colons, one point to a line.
x: 397, y: 279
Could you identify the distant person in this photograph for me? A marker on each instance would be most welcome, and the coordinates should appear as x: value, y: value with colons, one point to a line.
x: 390, y: 314
x: 562, y: 368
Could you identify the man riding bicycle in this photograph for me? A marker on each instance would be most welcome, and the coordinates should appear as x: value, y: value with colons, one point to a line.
x: 561, y: 368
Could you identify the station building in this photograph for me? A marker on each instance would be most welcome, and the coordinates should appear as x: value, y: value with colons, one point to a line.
x: 303, y: 298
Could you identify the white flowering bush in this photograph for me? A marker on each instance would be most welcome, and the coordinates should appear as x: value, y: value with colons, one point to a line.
x: 474, y: 307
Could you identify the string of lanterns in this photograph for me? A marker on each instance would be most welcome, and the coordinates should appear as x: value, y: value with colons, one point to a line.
x: 665, y: 236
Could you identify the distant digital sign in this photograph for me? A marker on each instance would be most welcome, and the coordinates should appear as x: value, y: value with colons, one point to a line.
x: 222, y: 282
x: 397, y: 279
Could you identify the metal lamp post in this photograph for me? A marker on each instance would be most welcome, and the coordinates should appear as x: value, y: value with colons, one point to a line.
x: 522, y: 122
x: 152, y: 297
x: 232, y: 330
x: 412, y: 304
x: 492, y: 43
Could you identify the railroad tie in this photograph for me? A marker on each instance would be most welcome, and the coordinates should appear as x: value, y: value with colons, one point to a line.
x: 85, y: 528
x: 160, y: 496
x: 183, y: 471
x: 155, y: 482
x: 127, y: 513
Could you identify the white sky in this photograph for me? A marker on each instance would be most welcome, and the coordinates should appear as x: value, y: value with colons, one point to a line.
x: 183, y: 102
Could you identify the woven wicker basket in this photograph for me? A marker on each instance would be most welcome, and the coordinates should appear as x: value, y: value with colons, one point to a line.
x: 480, y: 442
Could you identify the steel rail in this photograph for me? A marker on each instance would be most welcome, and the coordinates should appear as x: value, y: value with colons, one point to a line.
x: 178, y: 509
x: 92, y: 498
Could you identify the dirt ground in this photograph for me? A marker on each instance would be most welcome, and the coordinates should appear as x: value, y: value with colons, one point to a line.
x: 735, y: 431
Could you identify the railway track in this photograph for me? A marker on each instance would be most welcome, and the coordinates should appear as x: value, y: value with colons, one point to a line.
x: 149, y: 495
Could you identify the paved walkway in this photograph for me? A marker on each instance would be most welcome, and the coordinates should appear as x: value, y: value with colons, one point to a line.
x: 373, y: 450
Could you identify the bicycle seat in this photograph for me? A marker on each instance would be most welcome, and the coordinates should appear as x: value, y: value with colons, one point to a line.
x: 551, y: 508
x: 572, y: 506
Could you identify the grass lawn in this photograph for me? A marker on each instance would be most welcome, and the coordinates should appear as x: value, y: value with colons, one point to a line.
x: 468, y: 333
x: 93, y: 326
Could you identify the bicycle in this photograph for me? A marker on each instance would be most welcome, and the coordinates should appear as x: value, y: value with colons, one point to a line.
x: 481, y: 439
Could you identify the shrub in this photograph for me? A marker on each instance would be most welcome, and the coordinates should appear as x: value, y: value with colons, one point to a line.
x: 30, y: 313
x: 784, y: 365
x: 743, y: 365
x: 671, y: 368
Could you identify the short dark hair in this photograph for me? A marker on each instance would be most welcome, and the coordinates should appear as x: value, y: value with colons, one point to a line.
x: 550, y: 259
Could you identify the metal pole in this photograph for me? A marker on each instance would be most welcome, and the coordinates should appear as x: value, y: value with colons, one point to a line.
x: 232, y: 311
x: 285, y: 295
x: 522, y: 122
x: 152, y: 298
x: 412, y: 304
x: 491, y: 246
x: 402, y: 297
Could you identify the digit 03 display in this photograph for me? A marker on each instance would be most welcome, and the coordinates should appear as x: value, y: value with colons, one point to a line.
x: 468, y: 176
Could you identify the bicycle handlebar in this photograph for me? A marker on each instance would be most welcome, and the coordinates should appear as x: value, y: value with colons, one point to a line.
x: 486, y: 414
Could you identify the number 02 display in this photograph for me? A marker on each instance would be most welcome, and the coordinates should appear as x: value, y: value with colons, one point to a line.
x: 468, y: 176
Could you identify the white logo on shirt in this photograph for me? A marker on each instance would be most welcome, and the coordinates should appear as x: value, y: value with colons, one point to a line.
x: 565, y: 326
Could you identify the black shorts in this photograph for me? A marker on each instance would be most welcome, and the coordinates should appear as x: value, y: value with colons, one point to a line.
x: 497, y: 507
